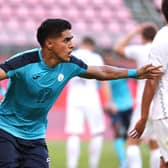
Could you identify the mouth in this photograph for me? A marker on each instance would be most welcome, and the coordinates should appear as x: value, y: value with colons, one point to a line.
x: 69, y: 53
x: 68, y: 56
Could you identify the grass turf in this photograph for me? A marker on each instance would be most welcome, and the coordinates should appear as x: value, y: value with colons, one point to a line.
x: 57, y: 152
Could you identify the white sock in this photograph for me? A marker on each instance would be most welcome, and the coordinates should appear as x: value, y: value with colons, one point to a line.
x: 133, y: 156
x: 155, y: 158
x: 73, y: 151
x: 95, y: 148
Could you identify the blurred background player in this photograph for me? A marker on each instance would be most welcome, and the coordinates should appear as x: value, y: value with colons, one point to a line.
x: 83, y: 103
x: 139, y: 52
x: 119, y: 109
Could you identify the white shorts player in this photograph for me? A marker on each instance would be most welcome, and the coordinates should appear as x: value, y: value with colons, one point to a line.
x: 159, y: 108
x: 83, y: 100
x: 140, y: 53
x: 149, y: 132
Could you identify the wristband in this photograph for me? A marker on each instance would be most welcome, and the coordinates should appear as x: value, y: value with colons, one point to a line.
x: 132, y: 73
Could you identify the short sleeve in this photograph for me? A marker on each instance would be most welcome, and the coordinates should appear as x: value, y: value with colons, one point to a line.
x: 8, y: 67
x: 79, y: 66
x: 132, y: 51
x: 158, y: 53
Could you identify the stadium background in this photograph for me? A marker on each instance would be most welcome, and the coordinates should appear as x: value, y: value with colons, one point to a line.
x: 105, y: 20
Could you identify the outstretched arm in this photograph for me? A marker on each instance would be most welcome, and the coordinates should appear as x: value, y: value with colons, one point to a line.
x: 107, y: 72
x: 2, y: 74
x: 148, y: 94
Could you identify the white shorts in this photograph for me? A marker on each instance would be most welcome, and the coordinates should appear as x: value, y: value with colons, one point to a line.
x: 161, y: 128
x: 149, y: 132
x: 76, y: 117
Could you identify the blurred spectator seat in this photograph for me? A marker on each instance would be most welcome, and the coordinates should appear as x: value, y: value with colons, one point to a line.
x: 96, y: 17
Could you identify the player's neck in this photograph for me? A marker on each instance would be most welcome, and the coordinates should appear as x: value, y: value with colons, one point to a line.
x: 50, y: 59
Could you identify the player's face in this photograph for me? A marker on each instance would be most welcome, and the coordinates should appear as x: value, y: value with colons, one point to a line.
x: 62, y: 46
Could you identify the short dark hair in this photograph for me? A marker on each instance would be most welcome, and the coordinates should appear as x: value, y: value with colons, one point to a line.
x: 107, y: 52
x: 51, y: 28
x: 164, y: 8
x: 149, y: 32
x: 88, y: 40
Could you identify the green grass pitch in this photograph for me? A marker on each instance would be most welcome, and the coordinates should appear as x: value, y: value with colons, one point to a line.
x: 57, y: 152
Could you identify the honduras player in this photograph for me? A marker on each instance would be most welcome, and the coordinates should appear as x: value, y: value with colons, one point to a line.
x: 37, y: 77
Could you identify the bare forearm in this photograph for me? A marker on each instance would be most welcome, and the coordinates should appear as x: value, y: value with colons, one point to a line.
x: 120, y: 46
x: 148, y: 94
x: 110, y: 72
x: 106, y: 72
x: 124, y: 42
x: 2, y: 74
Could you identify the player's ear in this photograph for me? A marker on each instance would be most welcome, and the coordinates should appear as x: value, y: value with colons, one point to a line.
x: 48, y: 43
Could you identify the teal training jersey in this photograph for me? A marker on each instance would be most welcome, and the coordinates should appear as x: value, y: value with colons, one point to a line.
x: 121, y: 94
x: 33, y: 89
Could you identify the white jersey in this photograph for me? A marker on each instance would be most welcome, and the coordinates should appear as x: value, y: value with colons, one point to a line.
x: 84, y: 92
x: 140, y: 53
x: 159, y: 56
x: 83, y: 99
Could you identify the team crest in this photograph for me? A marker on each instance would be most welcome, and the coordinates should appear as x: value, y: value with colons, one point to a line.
x: 60, y: 77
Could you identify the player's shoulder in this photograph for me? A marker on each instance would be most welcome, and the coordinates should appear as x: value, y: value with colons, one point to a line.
x: 25, y: 55
x: 160, y: 41
x: 21, y: 59
x: 162, y: 32
x: 164, y: 29
x: 78, y: 62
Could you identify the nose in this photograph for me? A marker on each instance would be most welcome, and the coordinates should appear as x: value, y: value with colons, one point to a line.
x: 71, y: 45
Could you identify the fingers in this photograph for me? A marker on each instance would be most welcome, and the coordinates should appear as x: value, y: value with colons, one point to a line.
x: 150, y: 72
x: 157, y: 68
x: 134, y: 134
x: 150, y: 67
x: 154, y: 71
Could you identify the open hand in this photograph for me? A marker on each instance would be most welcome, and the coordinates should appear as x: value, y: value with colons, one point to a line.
x: 138, y: 130
x: 149, y: 72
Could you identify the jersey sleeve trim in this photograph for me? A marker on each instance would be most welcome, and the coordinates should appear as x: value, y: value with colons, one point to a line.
x: 78, y: 62
x: 20, y: 61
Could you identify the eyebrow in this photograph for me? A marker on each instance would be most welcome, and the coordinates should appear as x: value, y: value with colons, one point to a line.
x: 69, y: 38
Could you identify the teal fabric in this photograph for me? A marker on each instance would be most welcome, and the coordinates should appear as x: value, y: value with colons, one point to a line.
x: 32, y: 91
x: 121, y: 94
x: 119, y: 145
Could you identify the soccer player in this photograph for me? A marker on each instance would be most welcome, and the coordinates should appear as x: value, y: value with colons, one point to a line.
x: 84, y: 104
x: 37, y: 77
x: 139, y: 52
x: 158, y: 91
x: 119, y: 109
